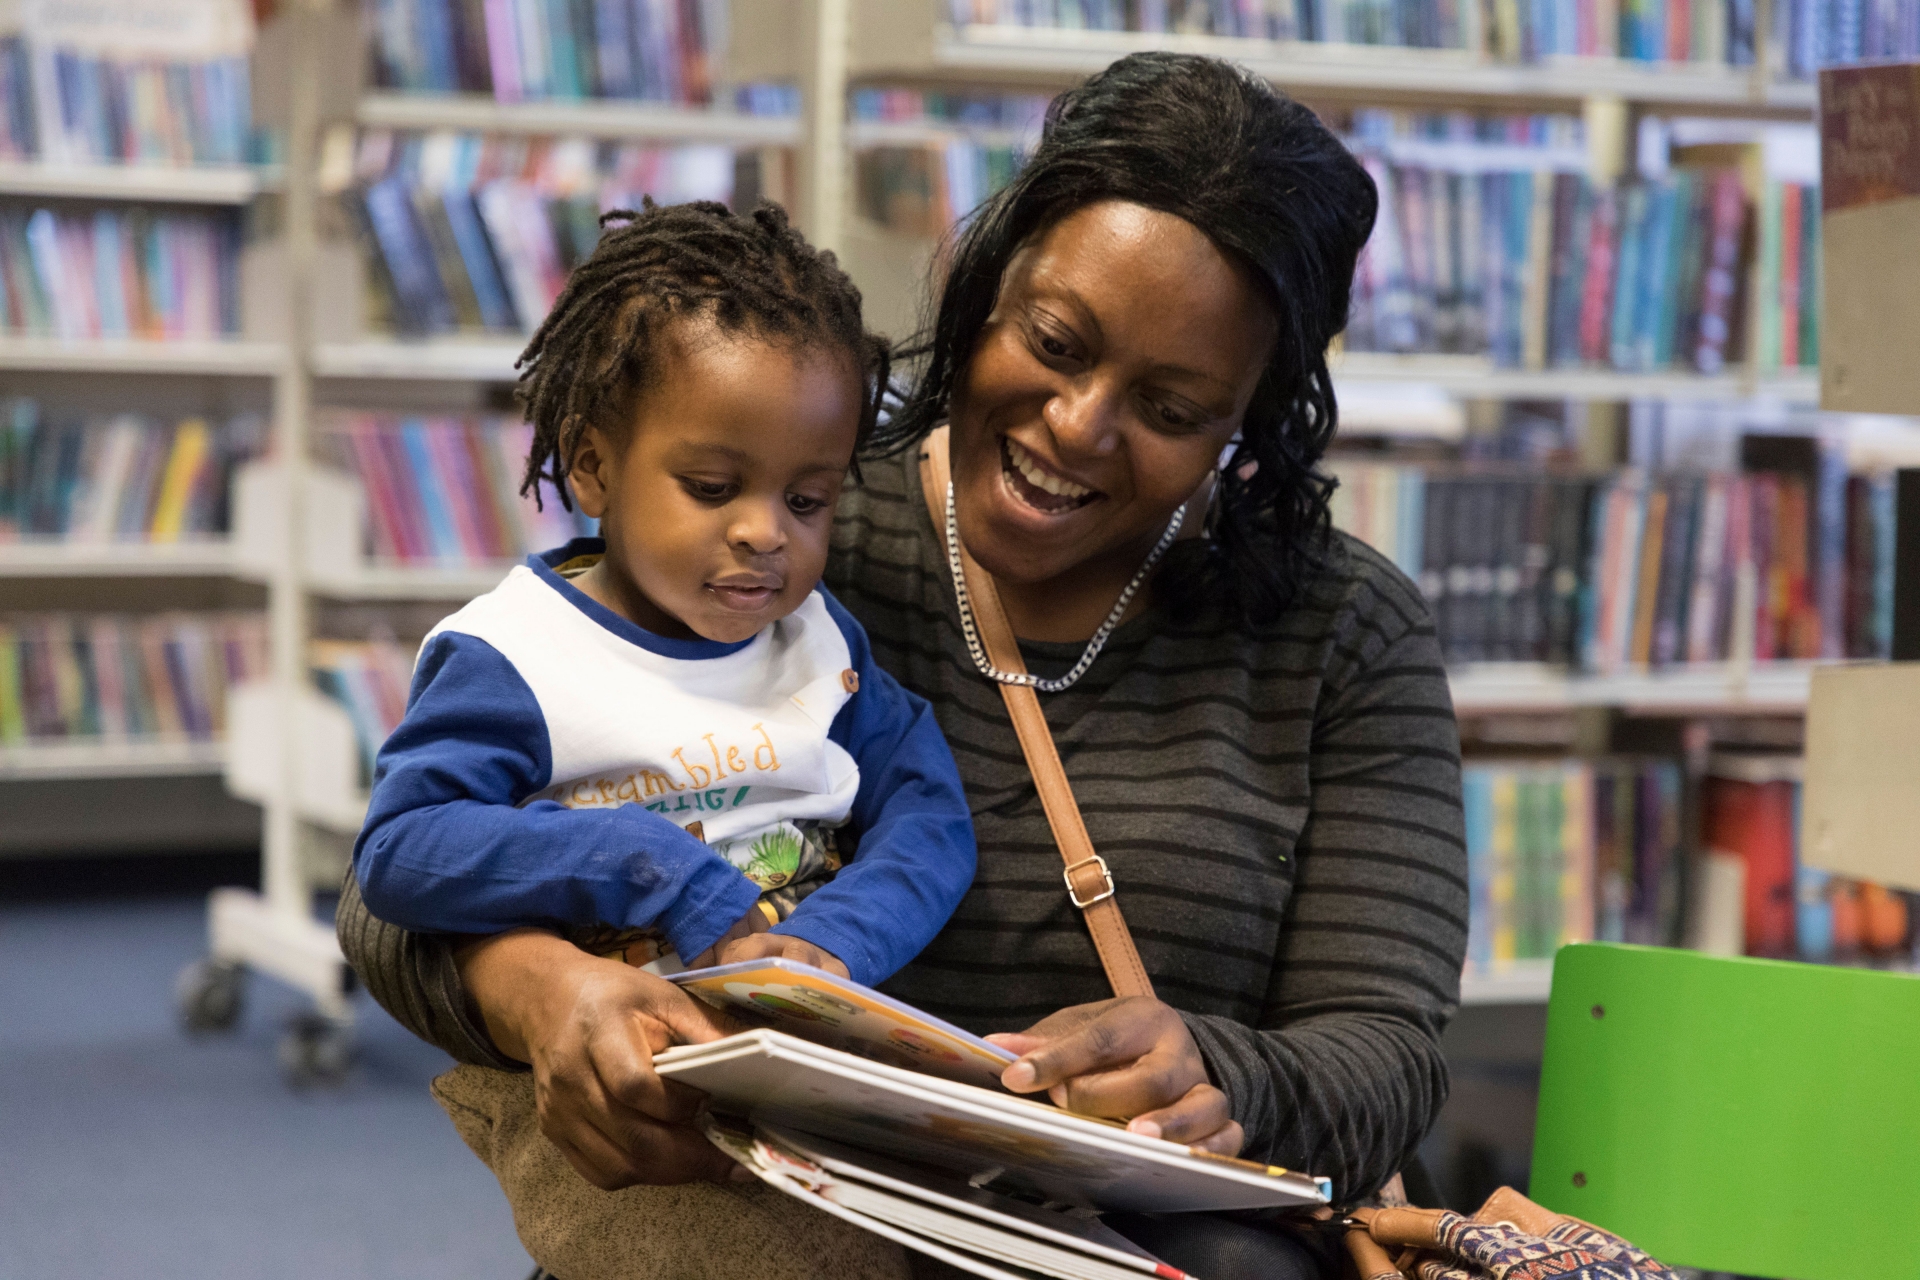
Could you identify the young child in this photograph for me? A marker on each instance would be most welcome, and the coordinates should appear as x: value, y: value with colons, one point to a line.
x: 669, y: 743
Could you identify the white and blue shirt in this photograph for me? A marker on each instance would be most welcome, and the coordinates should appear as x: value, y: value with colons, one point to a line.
x: 553, y: 754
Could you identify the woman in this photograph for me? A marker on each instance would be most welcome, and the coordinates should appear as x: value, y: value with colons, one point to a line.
x: 1264, y: 750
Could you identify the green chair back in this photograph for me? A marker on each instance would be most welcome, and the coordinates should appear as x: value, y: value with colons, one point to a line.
x: 1754, y: 1116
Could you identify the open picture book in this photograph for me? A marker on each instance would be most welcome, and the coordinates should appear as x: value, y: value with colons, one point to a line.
x: 885, y: 1116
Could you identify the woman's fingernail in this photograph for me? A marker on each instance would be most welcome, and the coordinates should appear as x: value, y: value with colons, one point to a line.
x: 1145, y: 1128
x: 1019, y: 1076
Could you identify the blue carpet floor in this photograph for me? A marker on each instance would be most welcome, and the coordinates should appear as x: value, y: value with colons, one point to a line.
x: 128, y: 1149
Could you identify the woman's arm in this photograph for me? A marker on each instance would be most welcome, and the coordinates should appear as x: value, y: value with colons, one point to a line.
x: 1344, y: 1075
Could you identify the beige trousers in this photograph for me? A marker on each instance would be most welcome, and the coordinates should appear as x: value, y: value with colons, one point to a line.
x: 689, y: 1232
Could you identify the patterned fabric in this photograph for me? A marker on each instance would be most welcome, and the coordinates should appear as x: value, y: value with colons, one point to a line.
x: 1502, y: 1251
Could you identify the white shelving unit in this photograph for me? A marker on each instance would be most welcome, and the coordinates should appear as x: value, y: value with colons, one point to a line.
x: 161, y: 184
x: 593, y: 118
x: 195, y: 558
x: 232, y: 358
x: 1778, y: 688
x: 1527, y: 982
x: 85, y: 758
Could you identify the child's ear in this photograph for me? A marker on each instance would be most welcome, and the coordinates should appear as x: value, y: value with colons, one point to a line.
x: 591, y: 472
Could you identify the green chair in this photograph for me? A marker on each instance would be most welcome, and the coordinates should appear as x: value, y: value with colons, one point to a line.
x: 1729, y: 1114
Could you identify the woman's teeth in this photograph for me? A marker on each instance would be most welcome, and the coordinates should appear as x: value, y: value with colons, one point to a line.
x: 1030, y: 471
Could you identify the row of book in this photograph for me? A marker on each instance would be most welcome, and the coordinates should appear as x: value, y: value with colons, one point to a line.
x: 370, y: 678
x: 1829, y: 33
x: 1571, y: 850
x: 125, y: 478
x: 1019, y: 112
x: 1542, y: 269
x: 527, y: 50
x: 1750, y: 817
x: 120, y: 273
x: 62, y: 106
x: 1698, y: 31
x: 468, y: 232
x: 1639, y: 569
x: 446, y: 491
x: 1381, y: 127
x: 118, y: 677
x: 927, y: 189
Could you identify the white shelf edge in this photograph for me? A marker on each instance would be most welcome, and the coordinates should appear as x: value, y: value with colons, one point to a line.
x: 1521, y: 686
x: 1526, y: 982
x: 227, y: 358
x: 407, y: 582
x: 1478, y: 377
x: 171, y: 184
x: 599, y: 118
x: 49, y: 559
x: 82, y: 758
x: 920, y: 133
x: 438, y: 360
x: 986, y: 49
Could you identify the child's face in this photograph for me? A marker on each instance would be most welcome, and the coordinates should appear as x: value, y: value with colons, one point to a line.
x: 717, y: 507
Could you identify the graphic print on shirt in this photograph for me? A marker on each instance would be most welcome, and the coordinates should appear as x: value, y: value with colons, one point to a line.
x: 736, y: 742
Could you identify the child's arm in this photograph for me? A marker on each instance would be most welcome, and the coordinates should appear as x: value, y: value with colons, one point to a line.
x: 444, y: 850
x: 915, y: 856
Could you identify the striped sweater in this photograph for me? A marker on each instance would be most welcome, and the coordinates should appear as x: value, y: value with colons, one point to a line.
x: 1280, y: 808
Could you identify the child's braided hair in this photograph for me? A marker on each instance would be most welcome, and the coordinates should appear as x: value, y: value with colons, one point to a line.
x: 744, y: 273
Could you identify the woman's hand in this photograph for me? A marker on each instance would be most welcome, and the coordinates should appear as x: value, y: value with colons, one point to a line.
x: 1131, y: 1059
x: 589, y: 1028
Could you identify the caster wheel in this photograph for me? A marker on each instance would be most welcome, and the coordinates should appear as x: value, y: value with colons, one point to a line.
x: 316, y: 1051
x: 210, y: 994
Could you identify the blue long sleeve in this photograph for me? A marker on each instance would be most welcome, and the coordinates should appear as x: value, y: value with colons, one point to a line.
x: 445, y: 850
x: 915, y: 849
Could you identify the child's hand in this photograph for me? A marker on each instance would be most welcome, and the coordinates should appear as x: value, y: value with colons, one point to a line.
x: 755, y: 921
x: 762, y: 945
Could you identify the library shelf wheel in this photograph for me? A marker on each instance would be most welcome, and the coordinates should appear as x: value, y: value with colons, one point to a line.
x: 316, y: 1050
x: 210, y: 994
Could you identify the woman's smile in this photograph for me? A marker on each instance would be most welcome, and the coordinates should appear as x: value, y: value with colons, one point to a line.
x: 1038, y: 484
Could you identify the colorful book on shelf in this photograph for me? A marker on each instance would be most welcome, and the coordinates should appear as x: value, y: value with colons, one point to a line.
x: 119, y: 273
x: 117, y: 678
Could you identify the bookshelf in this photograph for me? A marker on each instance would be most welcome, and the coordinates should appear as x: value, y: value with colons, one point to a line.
x: 52, y: 558
x: 477, y: 113
x: 1770, y: 688
x: 231, y: 358
x: 129, y: 759
x: 161, y: 184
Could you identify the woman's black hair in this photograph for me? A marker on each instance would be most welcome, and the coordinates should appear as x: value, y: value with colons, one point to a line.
x: 1276, y: 192
x: 744, y: 273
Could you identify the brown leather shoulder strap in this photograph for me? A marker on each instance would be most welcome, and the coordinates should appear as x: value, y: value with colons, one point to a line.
x: 1089, y: 882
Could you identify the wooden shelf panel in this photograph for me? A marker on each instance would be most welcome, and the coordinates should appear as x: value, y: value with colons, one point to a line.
x: 1051, y: 55
x: 1778, y: 688
x: 220, y: 358
x: 163, y: 184
x: 203, y: 558
x: 597, y: 118
x: 81, y: 758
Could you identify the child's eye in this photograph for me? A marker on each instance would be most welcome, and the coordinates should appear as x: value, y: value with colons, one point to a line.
x: 801, y: 505
x: 708, y: 490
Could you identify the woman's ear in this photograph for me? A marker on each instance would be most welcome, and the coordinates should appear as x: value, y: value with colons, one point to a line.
x: 591, y: 472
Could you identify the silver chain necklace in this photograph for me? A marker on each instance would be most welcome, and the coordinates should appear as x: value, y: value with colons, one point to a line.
x: 1094, y: 645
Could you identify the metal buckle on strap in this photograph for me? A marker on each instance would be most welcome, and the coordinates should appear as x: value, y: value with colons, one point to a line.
x: 1074, y: 894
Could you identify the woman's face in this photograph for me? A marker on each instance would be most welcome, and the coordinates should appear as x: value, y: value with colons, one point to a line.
x: 1119, y: 359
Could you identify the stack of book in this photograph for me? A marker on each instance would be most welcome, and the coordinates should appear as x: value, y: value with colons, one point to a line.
x: 1566, y: 851
x: 63, y: 106
x: 464, y: 232
x: 370, y: 679
x: 120, y: 678
x: 525, y: 50
x: 120, y: 273
x: 1703, y: 31
x: 1540, y: 269
x: 1751, y: 817
x: 1638, y: 569
x: 126, y: 478
x: 928, y: 188
x: 1787, y: 277
x: 445, y: 492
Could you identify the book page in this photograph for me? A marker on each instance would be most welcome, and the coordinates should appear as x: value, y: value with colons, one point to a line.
x: 818, y: 1006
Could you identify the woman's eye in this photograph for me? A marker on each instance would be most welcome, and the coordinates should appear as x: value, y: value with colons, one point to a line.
x: 1168, y: 416
x: 1054, y: 347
